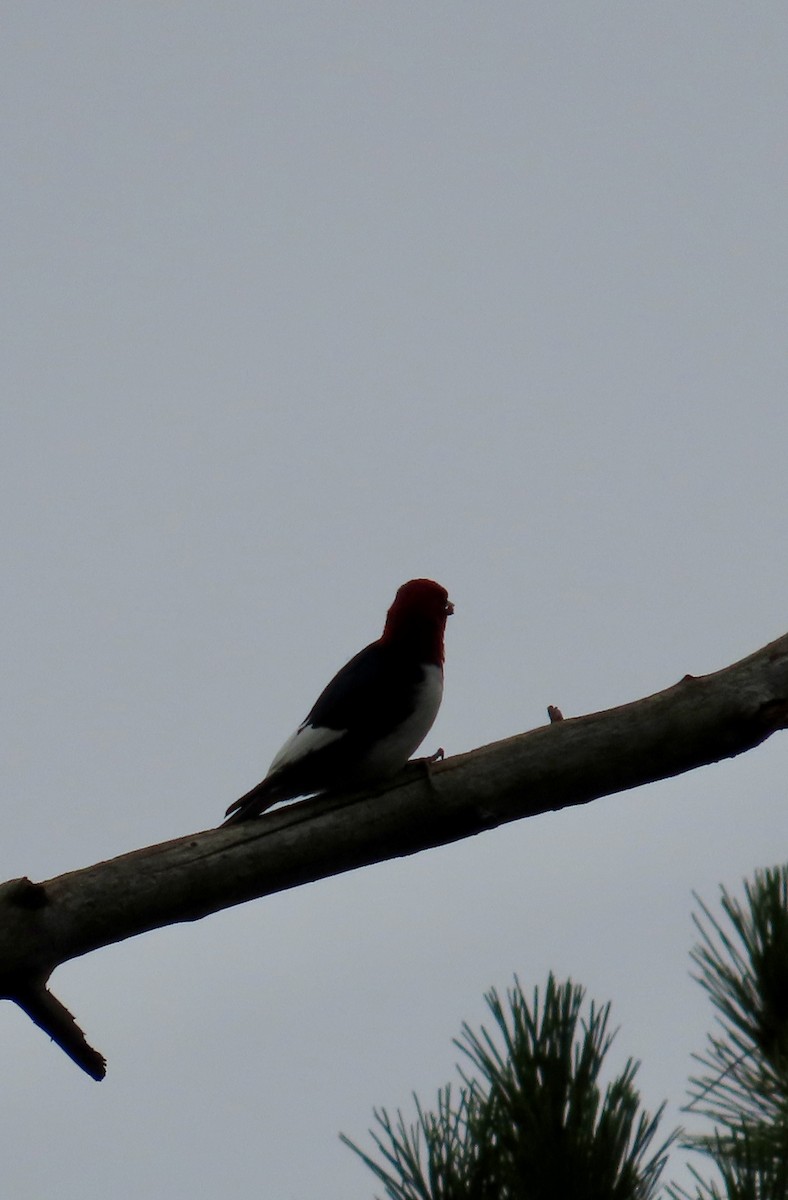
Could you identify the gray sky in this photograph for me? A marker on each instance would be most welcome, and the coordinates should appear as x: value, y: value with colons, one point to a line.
x: 301, y: 301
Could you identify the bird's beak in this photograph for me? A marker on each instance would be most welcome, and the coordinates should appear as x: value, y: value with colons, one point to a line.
x: 449, y: 608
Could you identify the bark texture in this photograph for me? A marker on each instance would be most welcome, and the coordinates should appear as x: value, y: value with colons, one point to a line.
x: 570, y: 761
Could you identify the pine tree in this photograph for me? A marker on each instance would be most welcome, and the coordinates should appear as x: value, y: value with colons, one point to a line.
x: 742, y: 963
x: 530, y: 1120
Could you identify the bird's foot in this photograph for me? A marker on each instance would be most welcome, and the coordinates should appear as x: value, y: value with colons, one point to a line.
x: 427, y: 763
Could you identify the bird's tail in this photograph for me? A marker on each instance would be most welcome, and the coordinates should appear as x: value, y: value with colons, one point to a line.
x: 252, y: 803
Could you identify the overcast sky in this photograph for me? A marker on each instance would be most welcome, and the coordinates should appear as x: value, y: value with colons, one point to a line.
x: 301, y: 301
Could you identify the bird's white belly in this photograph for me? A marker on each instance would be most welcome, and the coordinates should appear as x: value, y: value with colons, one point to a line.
x: 392, y: 752
x: 389, y: 754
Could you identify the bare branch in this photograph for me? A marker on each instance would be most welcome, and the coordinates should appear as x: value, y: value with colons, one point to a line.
x: 572, y: 761
x: 55, y: 1019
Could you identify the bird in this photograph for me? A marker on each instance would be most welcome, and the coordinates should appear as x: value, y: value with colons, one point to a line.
x: 372, y: 716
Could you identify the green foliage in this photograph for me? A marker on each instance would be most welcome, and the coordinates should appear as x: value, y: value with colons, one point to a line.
x: 743, y: 965
x: 531, y: 1120
x: 745, y: 972
x: 744, y: 1174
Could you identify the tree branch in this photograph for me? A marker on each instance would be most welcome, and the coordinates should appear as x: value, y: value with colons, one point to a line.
x: 571, y: 761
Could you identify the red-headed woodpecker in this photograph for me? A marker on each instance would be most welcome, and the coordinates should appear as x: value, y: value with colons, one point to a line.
x: 374, y: 713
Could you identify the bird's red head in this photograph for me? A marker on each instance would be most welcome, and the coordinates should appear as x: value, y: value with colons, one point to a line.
x: 419, y: 614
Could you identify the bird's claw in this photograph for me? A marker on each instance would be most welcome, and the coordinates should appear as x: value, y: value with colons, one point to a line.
x: 426, y: 764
